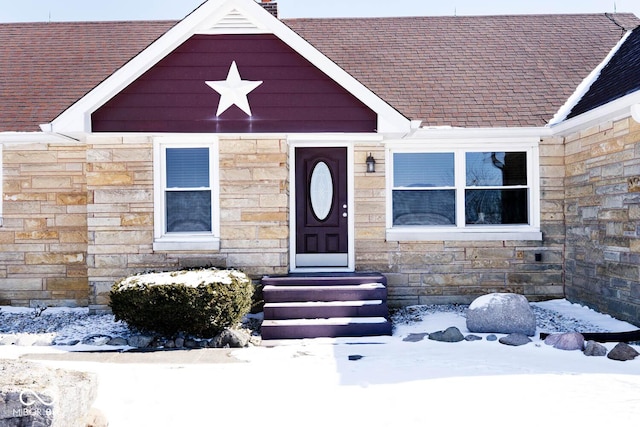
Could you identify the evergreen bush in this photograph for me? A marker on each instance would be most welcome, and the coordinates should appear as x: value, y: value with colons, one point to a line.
x: 200, y: 302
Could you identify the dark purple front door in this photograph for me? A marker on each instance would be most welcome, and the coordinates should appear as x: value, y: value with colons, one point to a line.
x: 322, y: 223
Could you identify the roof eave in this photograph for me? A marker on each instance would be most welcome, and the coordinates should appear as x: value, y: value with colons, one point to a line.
x: 615, y: 110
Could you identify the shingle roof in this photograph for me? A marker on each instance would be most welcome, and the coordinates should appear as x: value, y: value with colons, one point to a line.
x: 46, y: 67
x: 458, y: 71
x: 620, y: 77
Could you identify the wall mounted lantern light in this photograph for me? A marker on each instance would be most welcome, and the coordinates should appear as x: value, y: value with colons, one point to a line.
x: 371, y: 164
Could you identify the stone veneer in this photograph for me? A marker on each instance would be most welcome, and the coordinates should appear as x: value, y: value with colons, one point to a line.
x: 80, y: 216
x: 459, y: 271
x: 603, y: 218
x: 253, y: 211
x: 43, y: 241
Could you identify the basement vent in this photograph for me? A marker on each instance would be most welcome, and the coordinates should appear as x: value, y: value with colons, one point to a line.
x: 233, y: 22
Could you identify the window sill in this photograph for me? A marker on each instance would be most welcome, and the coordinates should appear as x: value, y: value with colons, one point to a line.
x: 419, y: 234
x: 186, y: 244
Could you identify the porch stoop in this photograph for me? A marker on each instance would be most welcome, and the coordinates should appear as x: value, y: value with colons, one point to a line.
x: 325, y: 305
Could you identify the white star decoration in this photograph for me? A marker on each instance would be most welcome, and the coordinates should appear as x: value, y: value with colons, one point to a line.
x: 233, y: 91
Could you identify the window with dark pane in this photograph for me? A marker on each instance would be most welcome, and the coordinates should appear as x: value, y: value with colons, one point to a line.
x: 497, y: 191
x: 188, y: 190
x: 424, y: 189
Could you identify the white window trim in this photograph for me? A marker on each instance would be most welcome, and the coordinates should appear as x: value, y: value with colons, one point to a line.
x: 461, y: 231
x: 163, y: 241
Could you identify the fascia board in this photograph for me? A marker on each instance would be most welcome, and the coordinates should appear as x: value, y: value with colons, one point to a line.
x: 475, y: 135
x: 614, y: 110
x: 76, y: 119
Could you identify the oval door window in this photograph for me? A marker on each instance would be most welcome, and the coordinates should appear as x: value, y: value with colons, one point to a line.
x: 321, y: 191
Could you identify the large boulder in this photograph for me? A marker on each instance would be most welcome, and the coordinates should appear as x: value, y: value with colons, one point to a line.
x: 502, y: 313
x: 33, y: 394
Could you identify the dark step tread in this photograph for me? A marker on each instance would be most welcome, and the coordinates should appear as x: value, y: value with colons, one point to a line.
x: 324, y: 309
x: 326, y: 279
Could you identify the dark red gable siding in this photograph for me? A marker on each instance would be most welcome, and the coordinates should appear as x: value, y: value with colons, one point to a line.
x: 173, y: 96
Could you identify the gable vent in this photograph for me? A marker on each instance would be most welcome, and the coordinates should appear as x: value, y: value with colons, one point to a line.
x: 234, y: 21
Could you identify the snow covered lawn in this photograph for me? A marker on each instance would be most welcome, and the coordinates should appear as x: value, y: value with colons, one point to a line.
x: 394, y: 383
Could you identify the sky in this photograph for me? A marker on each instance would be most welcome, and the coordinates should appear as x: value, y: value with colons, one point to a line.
x: 106, y: 10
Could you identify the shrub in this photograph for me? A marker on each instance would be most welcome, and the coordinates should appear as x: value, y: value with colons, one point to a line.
x: 199, y: 302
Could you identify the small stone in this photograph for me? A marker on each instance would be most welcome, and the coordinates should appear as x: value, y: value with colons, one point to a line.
x: 472, y: 337
x: 170, y: 344
x: 355, y: 357
x: 515, y: 340
x: 567, y: 341
x: 140, y: 341
x: 231, y: 338
x: 69, y: 343
x: 97, y: 339
x: 623, y: 352
x: 179, y: 342
x: 117, y: 341
x: 593, y: 348
x: 191, y: 343
x: 451, y: 334
x: 492, y: 337
x: 415, y: 337
x: 8, y: 340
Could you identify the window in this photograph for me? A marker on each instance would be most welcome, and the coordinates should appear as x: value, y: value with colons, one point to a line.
x: 186, y: 197
x: 463, y: 194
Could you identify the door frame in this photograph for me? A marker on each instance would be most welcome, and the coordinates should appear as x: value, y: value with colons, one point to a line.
x: 293, y: 268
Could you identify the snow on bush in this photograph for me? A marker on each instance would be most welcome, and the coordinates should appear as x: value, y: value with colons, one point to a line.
x: 199, y: 302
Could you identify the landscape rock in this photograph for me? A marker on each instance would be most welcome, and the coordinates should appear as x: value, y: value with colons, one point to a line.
x: 472, y: 337
x: 118, y: 341
x: 415, y: 337
x: 451, y: 334
x: 492, y: 337
x: 515, y: 340
x: 140, y: 341
x: 231, y: 338
x: 503, y: 313
x: 54, y: 397
x: 593, y: 348
x: 567, y: 341
x: 623, y: 352
x: 97, y: 339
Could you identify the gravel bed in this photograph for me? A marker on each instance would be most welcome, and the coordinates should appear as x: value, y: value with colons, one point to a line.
x: 76, y: 324
x: 546, y: 320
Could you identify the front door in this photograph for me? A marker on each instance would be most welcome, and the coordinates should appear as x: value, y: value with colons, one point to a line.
x: 321, y: 212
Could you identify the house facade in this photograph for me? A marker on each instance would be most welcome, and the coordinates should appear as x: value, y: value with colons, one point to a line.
x: 234, y: 139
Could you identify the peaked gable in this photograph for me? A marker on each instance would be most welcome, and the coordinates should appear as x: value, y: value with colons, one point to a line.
x: 216, y: 18
x: 289, y: 94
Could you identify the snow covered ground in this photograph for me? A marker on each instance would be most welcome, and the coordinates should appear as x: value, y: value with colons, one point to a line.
x: 393, y: 382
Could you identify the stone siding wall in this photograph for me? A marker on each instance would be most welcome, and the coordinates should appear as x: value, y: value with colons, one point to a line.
x: 80, y: 216
x: 253, y: 209
x: 43, y: 241
x: 603, y: 218
x: 443, y: 272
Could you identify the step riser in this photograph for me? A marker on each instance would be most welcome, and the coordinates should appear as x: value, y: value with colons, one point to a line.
x: 280, y: 313
x: 322, y: 281
x: 282, y: 294
x: 325, y: 331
